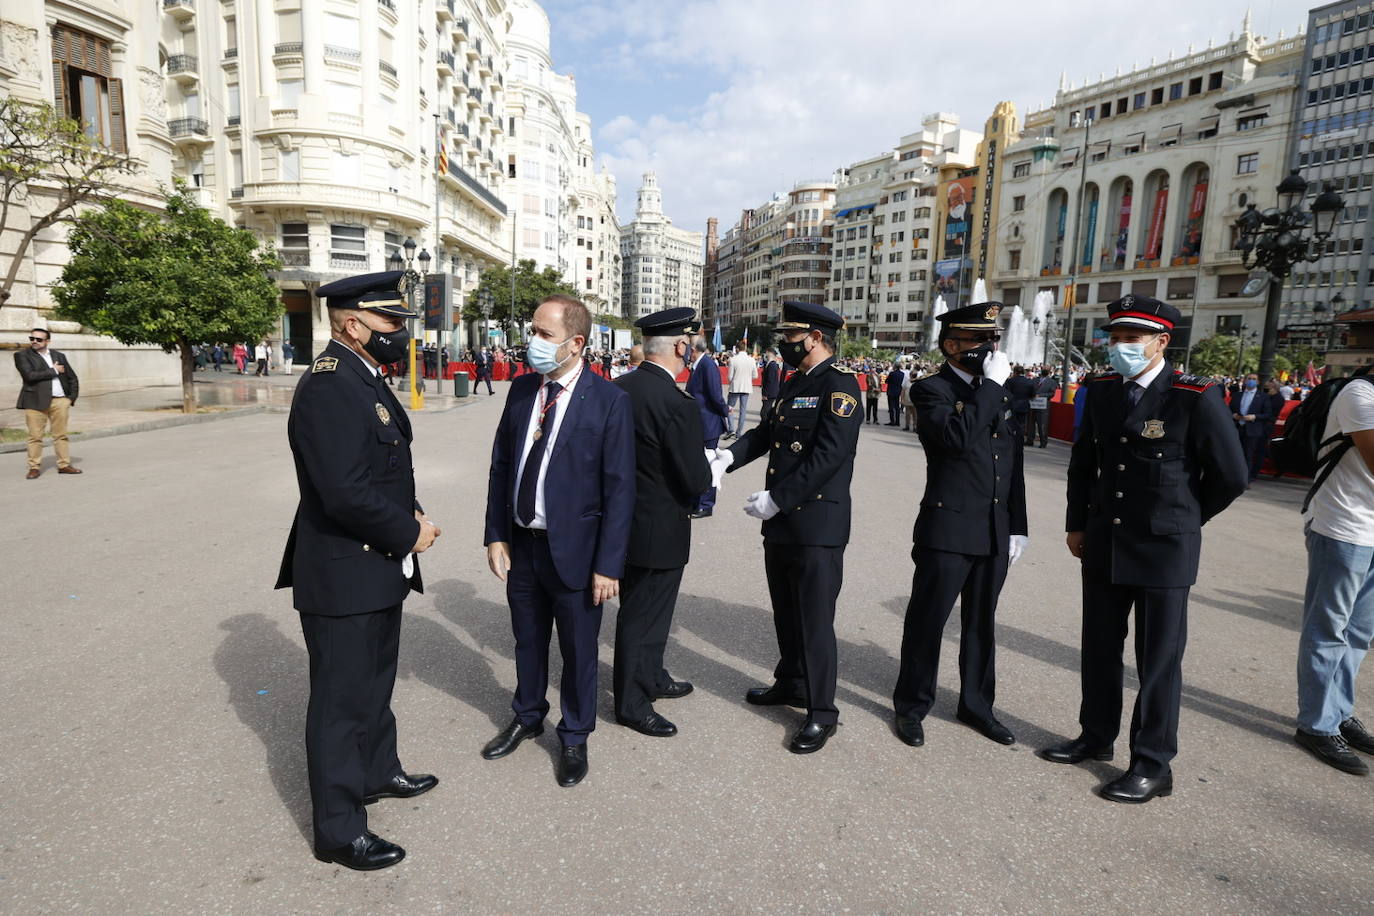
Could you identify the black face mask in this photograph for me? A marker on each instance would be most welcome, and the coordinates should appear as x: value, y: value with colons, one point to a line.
x: 388, y: 347
x: 794, y: 354
x: 971, y: 361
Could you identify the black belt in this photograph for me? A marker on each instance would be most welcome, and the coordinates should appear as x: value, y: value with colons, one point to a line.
x: 539, y: 534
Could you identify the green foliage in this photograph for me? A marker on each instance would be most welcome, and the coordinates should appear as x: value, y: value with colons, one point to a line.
x: 760, y: 335
x: 1217, y: 356
x: 531, y: 287
x: 854, y: 349
x: 171, y: 279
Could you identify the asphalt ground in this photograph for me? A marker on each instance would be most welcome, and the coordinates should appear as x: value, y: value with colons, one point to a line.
x: 156, y: 689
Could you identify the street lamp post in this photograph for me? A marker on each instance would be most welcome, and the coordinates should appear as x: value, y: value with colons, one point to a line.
x: 1276, y: 239
x: 484, y: 303
x: 1337, y: 301
x: 1240, y: 348
x: 409, y: 282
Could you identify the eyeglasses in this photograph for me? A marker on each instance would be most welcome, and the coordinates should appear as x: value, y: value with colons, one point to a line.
x: 980, y: 338
x: 37, y: 339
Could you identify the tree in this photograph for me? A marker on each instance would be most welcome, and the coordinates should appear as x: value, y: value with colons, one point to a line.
x: 760, y: 335
x: 174, y: 279
x: 1216, y: 355
x: 531, y: 287
x: 42, y: 150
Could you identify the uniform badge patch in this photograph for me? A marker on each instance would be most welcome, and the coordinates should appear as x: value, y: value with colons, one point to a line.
x: 958, y: 406
x: 796, y: 446
x: 805, y: 403
x: 1154, y: 429
x: 325, y: 364
x: 841, y: 404
x: 384, y: 415
x: 991, y: 313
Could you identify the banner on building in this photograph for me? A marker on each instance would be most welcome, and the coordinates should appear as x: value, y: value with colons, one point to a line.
x: 1089, y: 240
x: 1191, y: 242
x: 1154, y: 239
x: 438, y: 307
x: 947, y: 277
x: 958, y: 199
x: 1123, y: 229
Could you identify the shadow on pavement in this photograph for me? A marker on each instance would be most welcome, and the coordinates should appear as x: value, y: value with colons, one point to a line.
x: 253, y: 655
x: 1282, y: 609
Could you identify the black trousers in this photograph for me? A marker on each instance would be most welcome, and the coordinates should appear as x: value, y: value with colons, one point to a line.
x: 483, y: 377
x: 1037, y: 424
x: 1253, y: 449
x: 894, y: 408
x: 872, y: 413
x: 942, y: 576
x: 350, y: 732
x: 1161, y: 630
x: 538, y: 600
x: 765, y: 405
x: 804, y: 583
x: 647, y: 599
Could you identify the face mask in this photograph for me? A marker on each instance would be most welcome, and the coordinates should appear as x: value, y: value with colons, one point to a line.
x: 794, y: 354
x: 1251, y: 383
x: 1128, y: 358
x: 542, y: 355
x: 972, y: 360
x: 387, y: 347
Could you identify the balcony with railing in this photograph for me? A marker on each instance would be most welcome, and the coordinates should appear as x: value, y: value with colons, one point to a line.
x: 486, y: 67
x: 446, y: 63
x: 184, y: 68
x: 386, y: 69
x: 294, y: 257
x: 486, y: 114
x: 181, y: 10
x: 474, y: 49
x: 460, y: 28
x: 342, y: 54
x: 474, y: 98
x: 288, y: 52
x: 445, y: 9
x: 346, y: 260
x: 183, y: 128
x: 231, y: 53
x: 389, y: 6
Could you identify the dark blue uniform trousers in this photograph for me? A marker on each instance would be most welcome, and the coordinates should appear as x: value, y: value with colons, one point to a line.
x: 804, y: 583
x: 539, y: 600
x: 350, y: 732
x: 941, y: 577
x: 1161, y: 630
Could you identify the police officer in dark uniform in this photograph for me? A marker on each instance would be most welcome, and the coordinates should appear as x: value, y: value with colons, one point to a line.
x: 1156, y: 457
x: 351, y: 562
x: 810, y: 438
x: 972, y: 523
x: 671, y: 473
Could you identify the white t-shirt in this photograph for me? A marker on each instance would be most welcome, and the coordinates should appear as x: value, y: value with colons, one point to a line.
x: 1343, y: 508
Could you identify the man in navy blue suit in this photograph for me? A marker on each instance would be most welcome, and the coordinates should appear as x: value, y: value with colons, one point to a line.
x: 560, y: 498
x: 1252, y: 413
x: 704, y: 385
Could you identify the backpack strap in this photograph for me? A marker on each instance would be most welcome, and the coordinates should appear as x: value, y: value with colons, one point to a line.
x: 1326, y: 464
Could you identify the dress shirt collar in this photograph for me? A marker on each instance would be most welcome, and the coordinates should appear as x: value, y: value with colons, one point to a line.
x: 966, y: 376
x: 1145, y: 380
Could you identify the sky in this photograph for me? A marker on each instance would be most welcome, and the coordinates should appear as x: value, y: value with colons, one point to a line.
x: 730, y: 101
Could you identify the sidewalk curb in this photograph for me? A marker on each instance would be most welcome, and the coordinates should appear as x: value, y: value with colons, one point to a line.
x: 161, y: 423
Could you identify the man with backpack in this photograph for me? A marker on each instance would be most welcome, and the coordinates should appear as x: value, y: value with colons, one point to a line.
x: 1338, y: 608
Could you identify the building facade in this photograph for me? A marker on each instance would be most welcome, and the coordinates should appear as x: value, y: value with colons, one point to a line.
x: 661, y: 265
x: 1133, y: 184
x: 1333, y: 141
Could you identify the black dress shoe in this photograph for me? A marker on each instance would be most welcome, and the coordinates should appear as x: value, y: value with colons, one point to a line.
x: 572, y: 764
x: 1075, y: 751
x: 704, y: 513
x: 368, y: 852
x: 402, y: 785
x: 1130, y: 789
x: 988, y: 728
x: 510, y: 737
x: 653, y: 725
x: 1357, y: 736
x: 1332, y: 750
x: 673, y: 690
x: 775, y: 696
x: 810, y: 738
x: 910, y: 730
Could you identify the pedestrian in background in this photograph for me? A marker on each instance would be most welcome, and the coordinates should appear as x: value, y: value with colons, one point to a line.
x: 241, y: 358
x: 874, y: 381
x: 1252, y: 412
x: 895, y: 380
x: 288, y: 356
x: 1038, y: 417
x: 50, y: 391
x: 704, y: 385
x: 262, y: 353
x: 771, y: 381
x: 742, y: 368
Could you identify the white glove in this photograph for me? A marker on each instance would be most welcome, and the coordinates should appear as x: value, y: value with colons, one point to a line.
x: 1018, y: 545
x: 997, y: 367
x: 761, y: 506
x: 720, y: 459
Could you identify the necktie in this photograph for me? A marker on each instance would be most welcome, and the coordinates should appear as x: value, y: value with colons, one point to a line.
x: 1133, y: 393
x: 529, y: 477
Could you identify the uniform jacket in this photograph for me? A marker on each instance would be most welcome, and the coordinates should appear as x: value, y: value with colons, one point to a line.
x: 589, y: 484
x: 895, y: 379
x: 1144, y: 480
x: 37, y: 391
x: 355, y: 523
x: 1020, y: 389
x: 772, y: 379
x: 671, y: 471
x: 483, y: 365
x: 704, y: 385
x: 1262, y: 409
x: 810, y: 438
x: 975, y: 496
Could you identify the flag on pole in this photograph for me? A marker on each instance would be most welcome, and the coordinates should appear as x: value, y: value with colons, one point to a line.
x: 442, y: 161
x: 716, y: 342
x: 1310, y: 377
x: 746, y: 337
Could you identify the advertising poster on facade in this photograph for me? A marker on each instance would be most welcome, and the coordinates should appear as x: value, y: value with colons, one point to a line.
x: 958, y: 199
x: 1123, y: 229
x: 1091, y: 236
x: 947, y: 277
x: 1191, y: 242
x: 1154, y: 239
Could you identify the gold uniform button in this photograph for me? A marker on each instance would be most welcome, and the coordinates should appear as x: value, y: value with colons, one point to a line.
x: 996, y: 477
x: 1116, y: 521
x: 939, y: 505
x: 365, y: 547
x: 1159, y: 454
x: 1121, y: 467
x: 994, y: 501
x: 777, y: 445
x: 994, y: 435
x: 1123, y: 440
x: 772, y: 470
x: 1118, y: 494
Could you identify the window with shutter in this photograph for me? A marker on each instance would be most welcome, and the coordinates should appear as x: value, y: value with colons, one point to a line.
x: 84, y: 87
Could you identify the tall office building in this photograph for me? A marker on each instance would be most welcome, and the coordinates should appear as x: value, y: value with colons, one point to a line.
x: 661, y: 264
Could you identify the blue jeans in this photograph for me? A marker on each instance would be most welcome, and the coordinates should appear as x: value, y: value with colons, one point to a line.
x: 740, y: 403
x: 1337, y: 625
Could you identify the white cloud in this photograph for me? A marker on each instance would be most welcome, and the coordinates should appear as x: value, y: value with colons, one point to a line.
x: 812, y: 86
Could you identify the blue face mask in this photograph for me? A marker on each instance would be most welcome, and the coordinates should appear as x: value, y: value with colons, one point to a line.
x: 542, y: 355
x: 1128, y: 358
x: 1251, y: 383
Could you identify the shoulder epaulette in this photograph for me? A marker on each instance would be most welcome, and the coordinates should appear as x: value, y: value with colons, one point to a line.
x: 325, y: 364
x: 1108, y: 377
x: 1193, y: 382
x: 838, y: 368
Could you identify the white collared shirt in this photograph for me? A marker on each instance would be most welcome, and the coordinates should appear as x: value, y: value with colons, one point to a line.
x: 57, y: 391
x: 565, y: 402
x: 660, y: 369
x: 966, y: 376
x: 370, y: 368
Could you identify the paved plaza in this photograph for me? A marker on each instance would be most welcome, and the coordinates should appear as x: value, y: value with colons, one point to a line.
x: 156, y: 689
